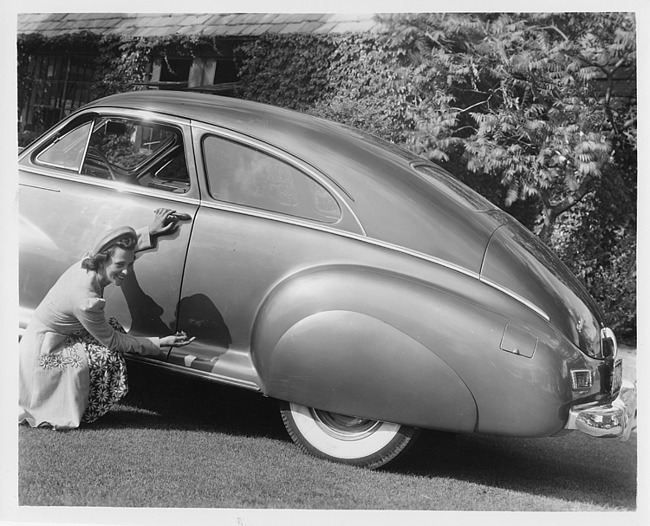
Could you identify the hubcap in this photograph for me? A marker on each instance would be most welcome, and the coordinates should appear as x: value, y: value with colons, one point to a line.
x: 345, y: 427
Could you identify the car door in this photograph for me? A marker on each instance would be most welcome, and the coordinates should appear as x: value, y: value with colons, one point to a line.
x: 264, y: 216
x: 99, y: 170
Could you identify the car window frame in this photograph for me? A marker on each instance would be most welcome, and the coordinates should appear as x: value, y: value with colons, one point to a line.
x: 347, y: 221
x: 27, y: 158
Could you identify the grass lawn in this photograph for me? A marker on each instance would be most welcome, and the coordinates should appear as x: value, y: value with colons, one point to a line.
x: 176, y: 442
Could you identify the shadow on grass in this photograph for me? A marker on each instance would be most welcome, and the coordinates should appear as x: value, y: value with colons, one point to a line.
x: 161, y: 400
x: 573, y: 467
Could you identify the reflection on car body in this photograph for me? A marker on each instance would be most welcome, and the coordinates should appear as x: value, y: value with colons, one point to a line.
x: 363, y: 287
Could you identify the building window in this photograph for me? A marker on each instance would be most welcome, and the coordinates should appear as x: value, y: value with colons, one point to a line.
x: 61, y: 84
x: 193, y: 74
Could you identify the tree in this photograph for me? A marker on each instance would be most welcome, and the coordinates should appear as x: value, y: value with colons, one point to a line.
x: 539, y: 100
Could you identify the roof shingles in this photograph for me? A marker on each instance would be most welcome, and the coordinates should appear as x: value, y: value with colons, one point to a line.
x: 214, y: 24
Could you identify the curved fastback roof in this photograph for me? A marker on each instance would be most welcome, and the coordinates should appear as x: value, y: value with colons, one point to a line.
x: 272, y: 124
x: 393, y: 201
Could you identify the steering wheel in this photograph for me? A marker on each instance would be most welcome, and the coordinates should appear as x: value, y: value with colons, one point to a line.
x: 96, y: 153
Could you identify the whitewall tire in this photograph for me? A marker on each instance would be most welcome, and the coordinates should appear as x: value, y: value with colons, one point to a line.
x: 345, y: 439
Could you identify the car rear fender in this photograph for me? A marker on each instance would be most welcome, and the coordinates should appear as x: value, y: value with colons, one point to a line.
x: 324, y: 340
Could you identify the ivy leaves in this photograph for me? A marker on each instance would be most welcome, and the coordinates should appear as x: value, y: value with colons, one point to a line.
x: 285, y: 70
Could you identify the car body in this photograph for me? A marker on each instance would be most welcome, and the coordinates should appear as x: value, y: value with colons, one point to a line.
x: 363, y: 287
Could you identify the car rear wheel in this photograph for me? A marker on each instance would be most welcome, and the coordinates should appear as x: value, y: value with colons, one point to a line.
x: 345, y: 439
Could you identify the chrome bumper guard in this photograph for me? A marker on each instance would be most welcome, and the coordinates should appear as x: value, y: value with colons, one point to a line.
x: 613, y: 420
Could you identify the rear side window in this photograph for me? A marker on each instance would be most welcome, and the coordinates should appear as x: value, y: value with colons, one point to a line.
x: 243, y: 175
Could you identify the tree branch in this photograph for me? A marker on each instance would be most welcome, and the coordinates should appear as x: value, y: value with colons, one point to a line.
x: 573, y: 198
x: 557, y: 30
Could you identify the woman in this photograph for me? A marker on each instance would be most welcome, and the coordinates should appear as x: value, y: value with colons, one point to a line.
x: 71, y: 364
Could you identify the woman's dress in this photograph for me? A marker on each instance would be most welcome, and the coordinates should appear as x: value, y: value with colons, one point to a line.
x: 71, y: 365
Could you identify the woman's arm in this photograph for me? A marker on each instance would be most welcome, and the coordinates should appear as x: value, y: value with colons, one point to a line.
x: 90, y: 314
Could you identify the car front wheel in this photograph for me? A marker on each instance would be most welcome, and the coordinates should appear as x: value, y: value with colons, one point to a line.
x: 345, y: 439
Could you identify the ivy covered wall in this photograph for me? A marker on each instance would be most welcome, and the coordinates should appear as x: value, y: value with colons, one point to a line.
x: 49, y: 72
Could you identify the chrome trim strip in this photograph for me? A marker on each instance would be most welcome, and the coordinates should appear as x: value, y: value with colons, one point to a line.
x: 145, y: 115
x: 227, y: 207
x: 41, y: 187
x: 84, y: 156
x: 342, y: 233
x: 105, y: 183
x: 268, y: 148
x: 195, y: 372
x: 516, y: 296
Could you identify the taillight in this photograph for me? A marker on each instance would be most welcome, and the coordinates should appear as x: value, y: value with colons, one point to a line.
x: 581, y: 380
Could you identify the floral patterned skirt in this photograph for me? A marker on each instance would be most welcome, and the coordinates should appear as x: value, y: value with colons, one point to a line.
x: 108, y: 378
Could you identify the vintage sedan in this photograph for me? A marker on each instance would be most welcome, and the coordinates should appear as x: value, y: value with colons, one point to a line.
x: 363, y: 287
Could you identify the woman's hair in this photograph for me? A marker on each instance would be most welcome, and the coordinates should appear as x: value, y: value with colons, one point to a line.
x: 95, y: 261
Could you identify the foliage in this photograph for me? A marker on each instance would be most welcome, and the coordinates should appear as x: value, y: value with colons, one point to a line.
x: 124, y: 63
x: 365, y: 88
x: 542, y: 103
x: 121, y: 63
x: 29, y: 45
x: 288, y: 70
x: 597, y: 240
x: 533, y: 110
x: 532, y: 97
x: 27, y: 137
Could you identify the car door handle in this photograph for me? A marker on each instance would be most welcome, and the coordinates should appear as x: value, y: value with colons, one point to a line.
x: 180, y: 216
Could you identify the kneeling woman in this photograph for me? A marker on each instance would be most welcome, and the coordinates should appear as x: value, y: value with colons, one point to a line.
x: 71, y: 364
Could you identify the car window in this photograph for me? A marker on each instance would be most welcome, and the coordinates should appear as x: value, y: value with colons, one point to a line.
x: 66, y: 151
x: 137, y: 152
x: 121, y: 149
x: 246, y: 176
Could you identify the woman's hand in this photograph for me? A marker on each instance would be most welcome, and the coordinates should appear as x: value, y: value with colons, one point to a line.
x: 164, y: 222
x: 179, y: 339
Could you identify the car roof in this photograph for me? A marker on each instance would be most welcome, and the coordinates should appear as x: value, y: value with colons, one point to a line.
x: 391, y: 200
x: 256, y: 119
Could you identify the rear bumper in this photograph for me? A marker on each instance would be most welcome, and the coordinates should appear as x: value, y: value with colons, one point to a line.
x: 611, y: 420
